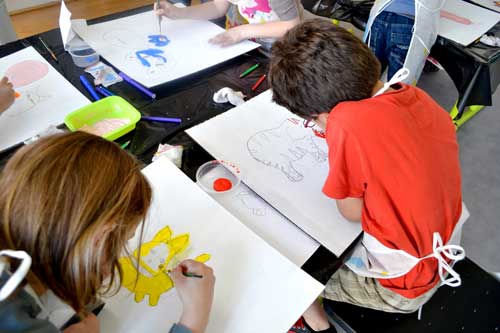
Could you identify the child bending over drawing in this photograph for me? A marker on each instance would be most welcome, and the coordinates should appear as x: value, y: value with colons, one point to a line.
x: 268, y: 19
x: 7, y: 94
x: 393, y: 167
x: 68, y: 205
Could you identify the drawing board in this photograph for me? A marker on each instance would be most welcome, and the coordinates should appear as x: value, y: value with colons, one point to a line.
x: 268, y: 223
x: 133, y: 45
x: 283, y: 162
x: 464, y: 22
x: 45, y: 97
x: 255, y: 284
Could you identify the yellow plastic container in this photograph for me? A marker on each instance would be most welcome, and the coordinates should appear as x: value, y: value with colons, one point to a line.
x: 109, y: 107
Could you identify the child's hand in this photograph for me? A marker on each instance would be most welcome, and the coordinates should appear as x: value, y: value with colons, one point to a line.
x: 195, y: 293
x: 89, y: 324
x: 166, y: 9
x: 7, y: 94
x: 228, y: 37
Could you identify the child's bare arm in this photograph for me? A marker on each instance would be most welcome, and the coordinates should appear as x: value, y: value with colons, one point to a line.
x: 351, y: 208
x: 262, y: 30
x: 206, y: 11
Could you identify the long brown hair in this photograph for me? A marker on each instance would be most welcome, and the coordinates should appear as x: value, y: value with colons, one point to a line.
x: 72, y: 201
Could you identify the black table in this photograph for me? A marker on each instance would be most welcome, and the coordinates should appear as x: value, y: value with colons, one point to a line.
x: 475, y: 71
x: 189, y: 98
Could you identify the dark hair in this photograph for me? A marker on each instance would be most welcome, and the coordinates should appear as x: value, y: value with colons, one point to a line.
x: 318, y: 65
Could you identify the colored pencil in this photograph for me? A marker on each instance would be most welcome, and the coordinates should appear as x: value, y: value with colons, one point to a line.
x: 248, y: 71
x: 258, y: 83
x: 52, y: 54
x: 137, y: 85
x: 162, y: 119
x: 89, y: 87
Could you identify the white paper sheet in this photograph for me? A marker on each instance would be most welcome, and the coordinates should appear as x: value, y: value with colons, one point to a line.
x: 283, y: 162
x: 126, y: 43
x: 67, y: 33
x: 490, y: 4
x: 477, y: 21
x: 255, y: 284
x: 46, y: 97
x: 268, y: 223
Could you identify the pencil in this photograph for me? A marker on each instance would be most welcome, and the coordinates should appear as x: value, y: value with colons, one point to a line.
x: 259, y: 81
x: 248, y: 71
x: 52, y: 54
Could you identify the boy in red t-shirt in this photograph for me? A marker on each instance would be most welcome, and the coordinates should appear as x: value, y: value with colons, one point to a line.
x: 394, y: 167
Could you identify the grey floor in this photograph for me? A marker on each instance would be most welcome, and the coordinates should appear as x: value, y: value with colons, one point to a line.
x: 479, y: 141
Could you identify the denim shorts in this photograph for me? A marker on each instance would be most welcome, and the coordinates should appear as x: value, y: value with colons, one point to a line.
x: 390, y: 39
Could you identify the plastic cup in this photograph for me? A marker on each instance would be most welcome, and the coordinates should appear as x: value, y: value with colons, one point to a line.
x: 215, y: 177
x: 83, y: 55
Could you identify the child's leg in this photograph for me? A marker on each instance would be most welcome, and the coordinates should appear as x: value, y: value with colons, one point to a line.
x: 316, y: 317
x: 347, y: 286
x: 378, y: 39
x: 399, y: 37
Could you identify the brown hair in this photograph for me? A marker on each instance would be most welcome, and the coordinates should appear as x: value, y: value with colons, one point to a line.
x: 318, y: 65
x: 71, y: 202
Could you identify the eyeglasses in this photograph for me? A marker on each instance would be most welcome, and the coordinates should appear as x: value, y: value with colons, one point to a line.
x: 309, y: 122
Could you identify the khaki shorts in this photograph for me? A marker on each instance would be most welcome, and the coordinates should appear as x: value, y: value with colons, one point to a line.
x: 346, y: 286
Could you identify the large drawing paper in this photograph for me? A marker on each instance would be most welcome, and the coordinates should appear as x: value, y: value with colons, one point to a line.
x: 268, y: 223
x: 255, y: 284
x: 469, y: 24
x: 283, y: 162
x: 132, y: 45
x: 46, y: 97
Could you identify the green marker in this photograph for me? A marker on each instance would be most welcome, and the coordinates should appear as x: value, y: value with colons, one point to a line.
x: 125, y: 144
x: 248, y: 71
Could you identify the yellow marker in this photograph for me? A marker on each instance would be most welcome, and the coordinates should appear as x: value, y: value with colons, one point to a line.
x: 158, y: 282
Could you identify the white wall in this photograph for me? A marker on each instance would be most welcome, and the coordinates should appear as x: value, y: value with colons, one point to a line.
x: 21, y: 4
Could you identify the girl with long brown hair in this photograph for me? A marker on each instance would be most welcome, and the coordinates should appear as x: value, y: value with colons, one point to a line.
x: 68, y: 205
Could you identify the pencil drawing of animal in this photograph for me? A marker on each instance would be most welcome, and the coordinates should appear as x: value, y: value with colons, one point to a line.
x: 283, y: 146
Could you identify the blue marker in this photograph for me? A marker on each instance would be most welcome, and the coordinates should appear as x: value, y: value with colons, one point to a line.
x: 89, y: 87
x: 102, y: 92
x: 110, y: 93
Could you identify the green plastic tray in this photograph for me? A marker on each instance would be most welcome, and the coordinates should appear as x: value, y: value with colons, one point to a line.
x: 109, y: 107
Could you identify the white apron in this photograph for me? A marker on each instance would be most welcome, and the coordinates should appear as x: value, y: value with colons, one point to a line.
x: 373, y: 259
x: 425, y: 32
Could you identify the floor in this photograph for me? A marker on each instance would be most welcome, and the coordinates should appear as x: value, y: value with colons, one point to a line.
x: 479, y: 138
x: 48, y: 18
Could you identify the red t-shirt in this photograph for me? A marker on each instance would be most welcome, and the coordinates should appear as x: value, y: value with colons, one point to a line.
x: 398, y: 151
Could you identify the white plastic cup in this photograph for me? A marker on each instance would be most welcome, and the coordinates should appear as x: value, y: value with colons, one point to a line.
x: 83, y: 55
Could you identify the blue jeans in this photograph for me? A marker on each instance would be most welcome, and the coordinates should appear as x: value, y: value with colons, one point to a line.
x: 390, y: 39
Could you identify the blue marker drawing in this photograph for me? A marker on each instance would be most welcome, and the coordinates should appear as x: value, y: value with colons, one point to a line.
x: 155, y: 53
x: 159, y: 40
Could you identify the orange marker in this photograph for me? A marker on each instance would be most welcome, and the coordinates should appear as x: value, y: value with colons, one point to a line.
x: 17, y: 94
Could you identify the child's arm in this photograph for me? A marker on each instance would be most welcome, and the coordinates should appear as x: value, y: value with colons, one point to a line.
x: 206, y: 11
x: 263, y: 30
x: 351, y: 208
x: 7, y: 94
